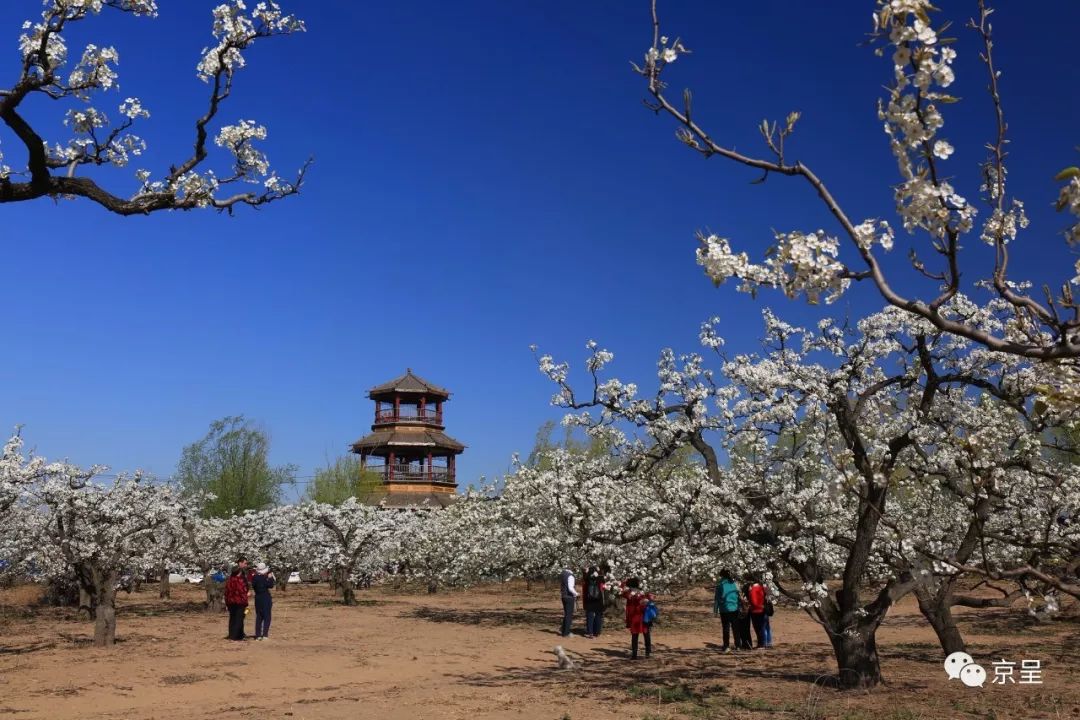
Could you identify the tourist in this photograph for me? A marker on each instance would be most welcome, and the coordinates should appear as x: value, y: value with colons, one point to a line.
x: 742, y: 636
x: 636, y: 600
x: 726, y: 605
x: 261, y: 584
x: 769, y: 610
x: 236, y: 600
x: 594, y: 602
x: 768, y: 622
x: 569, y: 598
x: 245, y: 572
x: 756, y: 595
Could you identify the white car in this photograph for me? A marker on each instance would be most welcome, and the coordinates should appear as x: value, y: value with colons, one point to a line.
x: 185, y: 575
x: 294, y: 577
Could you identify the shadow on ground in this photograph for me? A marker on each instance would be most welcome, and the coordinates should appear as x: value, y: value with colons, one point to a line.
x: 525, y: 617
x: 612, y: 672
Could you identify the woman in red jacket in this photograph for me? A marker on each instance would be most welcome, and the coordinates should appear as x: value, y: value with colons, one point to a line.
x: 236, y: 599
x: 636, y: 599
x: 756, y: 595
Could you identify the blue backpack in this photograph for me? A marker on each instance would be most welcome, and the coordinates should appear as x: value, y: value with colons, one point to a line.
x: 649, y: 612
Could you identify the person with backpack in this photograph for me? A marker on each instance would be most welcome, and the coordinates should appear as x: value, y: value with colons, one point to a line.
x: 756, y: 595
x: 594, y: 602
x: 641, y: 611
x: 236, y: 600
x: 569, y: 596
x: 726, y: 605
x: 742, y: 636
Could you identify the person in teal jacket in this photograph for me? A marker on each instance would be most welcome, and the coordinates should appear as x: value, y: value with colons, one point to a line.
x: 726, y: 605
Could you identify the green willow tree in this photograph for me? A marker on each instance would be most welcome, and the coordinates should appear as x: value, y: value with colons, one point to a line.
x: 231, y: 463
x: 588, y: 446
x: 343, y: 479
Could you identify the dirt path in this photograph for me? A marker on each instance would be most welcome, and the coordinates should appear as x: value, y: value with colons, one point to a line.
x: 487, y: 654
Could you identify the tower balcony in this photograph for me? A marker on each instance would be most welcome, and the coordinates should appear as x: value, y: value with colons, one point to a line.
x: 409, y: 415
x: 437, y: 475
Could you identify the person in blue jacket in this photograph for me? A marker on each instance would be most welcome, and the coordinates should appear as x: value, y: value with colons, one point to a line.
x: 261, y: 583
x: 726, y: 605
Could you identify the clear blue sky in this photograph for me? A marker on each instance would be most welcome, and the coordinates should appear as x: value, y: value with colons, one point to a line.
x: 486, y: 178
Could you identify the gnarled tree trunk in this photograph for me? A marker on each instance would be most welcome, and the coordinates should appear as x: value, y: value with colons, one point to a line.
x: 104, y: 592
x: 164, y: 590
x: 86, y: 602
x: 856, y: 654
x: 936, y: 607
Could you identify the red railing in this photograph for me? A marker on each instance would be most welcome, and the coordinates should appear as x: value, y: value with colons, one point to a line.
x: 413, y: 474
x: 408, y: 415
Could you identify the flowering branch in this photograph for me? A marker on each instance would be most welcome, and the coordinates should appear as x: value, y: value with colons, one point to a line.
x: 808, y: 263
x: 51, y: 171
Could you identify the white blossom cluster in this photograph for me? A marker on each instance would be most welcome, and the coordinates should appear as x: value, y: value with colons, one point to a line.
x: 1069, y: 199
x: 799, y: 264
x: 235, y: 31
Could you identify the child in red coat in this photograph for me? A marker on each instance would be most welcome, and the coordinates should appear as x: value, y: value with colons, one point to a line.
x: 636, y: 599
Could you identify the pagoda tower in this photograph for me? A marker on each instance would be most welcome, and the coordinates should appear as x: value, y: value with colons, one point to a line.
x: 415, y: 458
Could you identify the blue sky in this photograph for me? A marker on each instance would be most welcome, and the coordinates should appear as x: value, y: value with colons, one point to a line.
x: 485, y: 178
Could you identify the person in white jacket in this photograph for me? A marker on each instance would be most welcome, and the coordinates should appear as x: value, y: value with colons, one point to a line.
x: 569, y: 599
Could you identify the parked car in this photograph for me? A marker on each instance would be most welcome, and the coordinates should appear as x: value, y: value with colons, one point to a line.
x: 185, y: 575
x: 294, y: 577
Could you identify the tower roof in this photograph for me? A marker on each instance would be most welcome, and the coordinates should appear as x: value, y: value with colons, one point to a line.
x: 409, y: 383
x: 389, y: 438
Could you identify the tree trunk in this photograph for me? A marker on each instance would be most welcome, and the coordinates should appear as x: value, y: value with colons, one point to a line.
x: 283, y: 585
x: 348, y: 594
x: 86, y: 602
x: 105, y: 622
x: 164, y: 590
x: 937, y: 609
x: 856, y: 656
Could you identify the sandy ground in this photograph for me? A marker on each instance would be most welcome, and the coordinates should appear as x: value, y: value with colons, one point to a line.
x: 487, y: 654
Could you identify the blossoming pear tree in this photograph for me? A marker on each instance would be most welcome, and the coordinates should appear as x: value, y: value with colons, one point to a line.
x: 921, y: 65
x: 978, y: 502
x: 102, y: 531
x: 62, y: 169
x: 356, y: 542
x: 829, y: 439
x: 210, y: 546
x: 660, y: 521
x: 461, y: 544
x: 279, y: 536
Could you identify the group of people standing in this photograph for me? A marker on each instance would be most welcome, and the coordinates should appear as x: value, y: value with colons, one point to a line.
x: 596, y: 596
x: 741, y: 609
x: 598, y: 593
x: 243, y: 583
